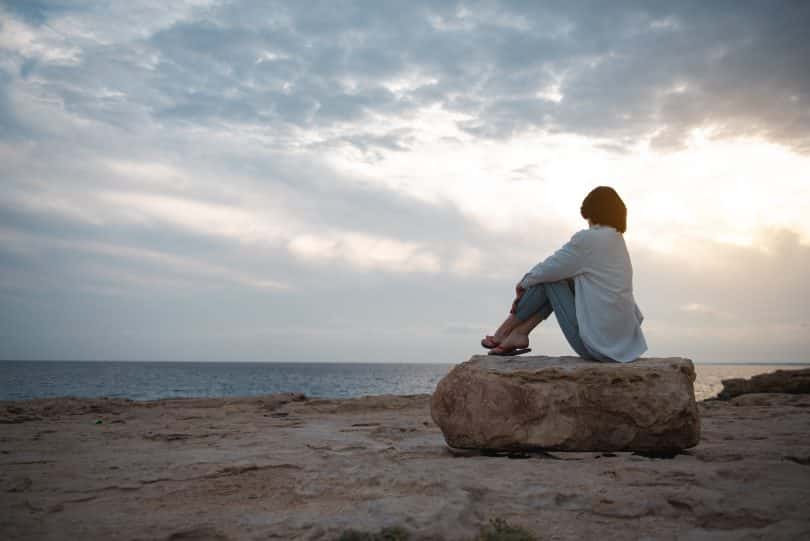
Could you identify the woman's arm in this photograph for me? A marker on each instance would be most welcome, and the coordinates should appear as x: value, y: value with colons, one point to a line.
x: 566, y: 262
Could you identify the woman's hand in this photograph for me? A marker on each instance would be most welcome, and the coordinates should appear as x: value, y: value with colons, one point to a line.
x: 519, y: 290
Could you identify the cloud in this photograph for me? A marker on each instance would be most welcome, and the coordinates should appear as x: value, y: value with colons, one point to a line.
x: 365, y: 252
x: 619, y: 71
x: 718, y: 301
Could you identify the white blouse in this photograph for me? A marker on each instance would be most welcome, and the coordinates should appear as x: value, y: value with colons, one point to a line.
x: 608, y: 317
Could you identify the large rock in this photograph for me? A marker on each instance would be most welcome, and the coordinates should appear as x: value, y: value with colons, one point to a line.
x: 566, y: 403
x: 781, y: 381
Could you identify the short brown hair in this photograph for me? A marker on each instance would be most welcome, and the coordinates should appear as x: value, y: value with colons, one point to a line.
x: 603, y: 206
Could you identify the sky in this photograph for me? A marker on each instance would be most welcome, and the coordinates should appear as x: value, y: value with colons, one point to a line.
x: 366, y: 181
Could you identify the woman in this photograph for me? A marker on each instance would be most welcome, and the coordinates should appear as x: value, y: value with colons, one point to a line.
x: 588, y: 284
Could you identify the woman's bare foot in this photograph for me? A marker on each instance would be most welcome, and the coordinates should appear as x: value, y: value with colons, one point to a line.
x: 512, y: 334
x: 506, y: 327
x: 515, y: 340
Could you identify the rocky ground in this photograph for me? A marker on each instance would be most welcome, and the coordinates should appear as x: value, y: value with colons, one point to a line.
x: 284, y: 467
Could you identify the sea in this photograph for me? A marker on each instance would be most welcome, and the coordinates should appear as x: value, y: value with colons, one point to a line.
x: 21, y: 380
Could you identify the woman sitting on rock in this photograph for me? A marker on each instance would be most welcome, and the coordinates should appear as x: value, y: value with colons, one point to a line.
x: 588, y: 284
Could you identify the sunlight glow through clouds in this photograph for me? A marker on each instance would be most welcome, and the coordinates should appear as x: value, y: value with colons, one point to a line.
x: 727, y: 191
x: 359, y: 250
x: 723, y: 190
x: 161, y: 175
x: 196, y: 216
x: 366, y: 252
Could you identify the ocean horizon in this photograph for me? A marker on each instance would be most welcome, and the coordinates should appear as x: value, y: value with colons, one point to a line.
x: 155, y: 380
x: 334, y: 362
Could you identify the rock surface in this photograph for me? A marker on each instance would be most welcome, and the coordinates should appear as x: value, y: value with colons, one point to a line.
x: 280, y: 467
x: 566, y: 403
x: 781, y: 381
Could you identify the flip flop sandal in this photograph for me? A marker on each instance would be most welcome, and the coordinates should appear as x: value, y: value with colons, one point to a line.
x: 510, y: 352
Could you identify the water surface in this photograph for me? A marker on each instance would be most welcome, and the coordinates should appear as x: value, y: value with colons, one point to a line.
x: 154, y: 380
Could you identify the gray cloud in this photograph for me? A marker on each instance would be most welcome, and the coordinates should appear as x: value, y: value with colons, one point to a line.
x: 38, y: 11
x: 624, y: 71
x: 9, y: 123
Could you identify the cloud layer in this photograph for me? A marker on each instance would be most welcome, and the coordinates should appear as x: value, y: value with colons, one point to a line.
x: 617, y: 70
x: 366, y: 180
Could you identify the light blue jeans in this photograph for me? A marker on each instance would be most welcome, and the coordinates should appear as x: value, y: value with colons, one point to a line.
x: 557, y: 297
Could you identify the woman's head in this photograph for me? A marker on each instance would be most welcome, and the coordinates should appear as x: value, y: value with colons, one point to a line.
x: 603, y: 206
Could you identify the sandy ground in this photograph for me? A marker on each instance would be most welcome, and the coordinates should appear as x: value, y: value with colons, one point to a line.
x: 278, y: 468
